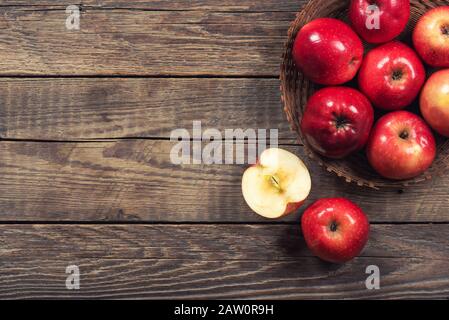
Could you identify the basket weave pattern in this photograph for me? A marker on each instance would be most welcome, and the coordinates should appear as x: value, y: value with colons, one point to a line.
x: 296, y: 89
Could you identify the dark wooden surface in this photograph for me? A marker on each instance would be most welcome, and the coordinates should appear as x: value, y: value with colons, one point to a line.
x: 86, y: 177
x: 216, y: 261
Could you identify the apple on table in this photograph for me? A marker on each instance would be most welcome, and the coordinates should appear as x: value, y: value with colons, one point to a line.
x: 336, y: 230
x: 277, y: 185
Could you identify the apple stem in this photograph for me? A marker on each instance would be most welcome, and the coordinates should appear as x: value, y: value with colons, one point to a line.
x: 445, y: 30
x: 334, y: 226
x: 397, y: 75
x: 404, y: 135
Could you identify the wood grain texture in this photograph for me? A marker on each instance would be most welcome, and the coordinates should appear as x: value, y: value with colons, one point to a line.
x: 187, y: 5
x: 143, y: 43
x: 139, y: 69
x: 71, y: 109
x: 207, y: 261
x: 135, y: 180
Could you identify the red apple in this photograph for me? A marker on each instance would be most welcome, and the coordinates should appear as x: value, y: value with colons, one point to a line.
x: 435, y: 102
x: 277, y: 185
x: 391, y: 76
x: 336, y: 230
x: 431, y: 37
x: 337, y: 121
x: 401, y: 146
x: 388, y: 19
x: 328, y: 52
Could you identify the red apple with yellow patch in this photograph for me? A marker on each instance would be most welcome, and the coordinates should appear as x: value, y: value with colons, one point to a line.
x: 434, y: 102
x: 431, y: 37
x: 401, y: 146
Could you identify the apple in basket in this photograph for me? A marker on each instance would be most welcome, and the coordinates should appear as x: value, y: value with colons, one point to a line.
x: 379, y: 21
x: 431, y: 37
x: 401, y: 146
x: 435, y: 102
x: 328, y: 51
x: 337, y: 121
x: 392, y: 76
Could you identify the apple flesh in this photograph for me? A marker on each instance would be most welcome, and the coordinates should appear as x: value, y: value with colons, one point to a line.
x: 392, y: 76
x: 393, y: 18
x: 401, y: 146
x: 328, y: 51
x: 337, y: 121
x: 277, y: 185
x: 434, y: 102
x: 336, y: 230
x: 431, y: 37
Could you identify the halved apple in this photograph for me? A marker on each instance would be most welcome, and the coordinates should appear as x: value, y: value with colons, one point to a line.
x: 277, y: 185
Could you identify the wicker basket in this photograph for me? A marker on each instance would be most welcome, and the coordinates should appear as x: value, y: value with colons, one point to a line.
x: 296, y: 89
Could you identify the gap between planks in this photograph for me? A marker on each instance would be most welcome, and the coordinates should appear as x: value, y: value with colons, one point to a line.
x: 84, y: 8
x: 219, y: 7
x: 204, y: 223
x: 138, y: 76
x: 282, y: 142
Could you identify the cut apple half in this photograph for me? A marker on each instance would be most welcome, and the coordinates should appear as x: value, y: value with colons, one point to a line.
x: 277, y: 185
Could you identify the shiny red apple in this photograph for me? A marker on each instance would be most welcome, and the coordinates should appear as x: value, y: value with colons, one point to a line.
x: 392, y: 76
x: 431, y: 37
x: 434, y: 102
x: 337, y: 121
x: 379, y: 21
x: 328, y: 51
x: 401, y: 146
x: 336, y: 230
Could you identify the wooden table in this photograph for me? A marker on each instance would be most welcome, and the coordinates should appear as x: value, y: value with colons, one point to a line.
x: 86, y: 177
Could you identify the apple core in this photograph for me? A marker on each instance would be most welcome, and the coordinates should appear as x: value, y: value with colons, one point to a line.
x: 275, y: 182
x: 277, y: 185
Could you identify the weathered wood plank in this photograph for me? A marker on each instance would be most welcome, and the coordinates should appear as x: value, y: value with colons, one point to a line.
x: 206, y: 261
x: 71, y: 109
x: 135, y: 180
x: 130, y: 42
x: 208, y: 241
x: 215, y: 5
